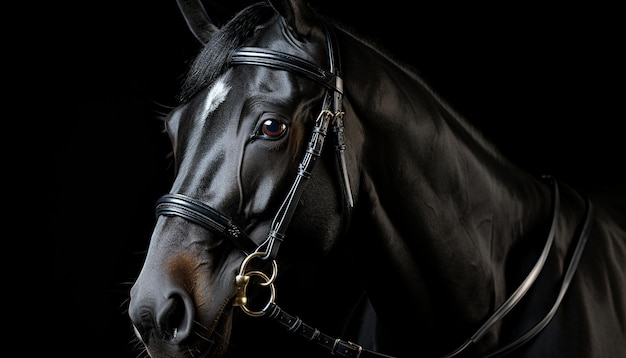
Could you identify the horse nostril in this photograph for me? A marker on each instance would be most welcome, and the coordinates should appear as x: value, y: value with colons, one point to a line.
x: 158, y: 315
x: 175, y: 317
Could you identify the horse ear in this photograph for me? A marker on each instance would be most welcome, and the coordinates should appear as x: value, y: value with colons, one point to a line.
x: 297, y: 14
x: 197, y: 19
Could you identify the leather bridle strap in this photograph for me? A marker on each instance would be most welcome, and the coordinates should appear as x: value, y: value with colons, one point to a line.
x: 205, y: 216
x: 336, y: 346
x: 330, y: 115
x: 283, y: 217
x: 259, y: 56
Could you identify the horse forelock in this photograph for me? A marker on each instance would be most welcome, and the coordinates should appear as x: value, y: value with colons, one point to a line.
x: 213, y: 58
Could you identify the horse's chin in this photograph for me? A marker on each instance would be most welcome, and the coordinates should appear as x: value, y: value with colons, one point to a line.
x: 201, y: 343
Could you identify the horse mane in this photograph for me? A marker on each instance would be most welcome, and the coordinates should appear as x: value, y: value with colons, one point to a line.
x: 213, y: 58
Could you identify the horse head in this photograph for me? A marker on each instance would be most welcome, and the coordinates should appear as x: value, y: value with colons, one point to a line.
x: 255, y: 109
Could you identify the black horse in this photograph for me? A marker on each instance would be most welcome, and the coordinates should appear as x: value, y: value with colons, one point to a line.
x: 412, y: 236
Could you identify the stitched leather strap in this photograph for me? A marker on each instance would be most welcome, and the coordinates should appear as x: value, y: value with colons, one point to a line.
x: 205, y: 216
x: 335, y: 346
x: 258, y: 56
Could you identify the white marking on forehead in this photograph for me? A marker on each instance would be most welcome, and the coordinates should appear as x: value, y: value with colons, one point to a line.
x: 217, y: 95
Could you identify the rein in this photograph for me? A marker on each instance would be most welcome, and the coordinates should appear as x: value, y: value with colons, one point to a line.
x: 331, y: 115
x: 523, y: 288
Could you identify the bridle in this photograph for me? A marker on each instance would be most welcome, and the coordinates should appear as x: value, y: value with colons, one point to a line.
x: 331, y: 115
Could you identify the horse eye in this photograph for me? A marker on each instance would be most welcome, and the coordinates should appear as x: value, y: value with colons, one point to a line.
x: 272, y: 129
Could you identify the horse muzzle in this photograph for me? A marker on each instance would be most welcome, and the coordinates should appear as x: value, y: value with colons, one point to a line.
x: 176, y: 311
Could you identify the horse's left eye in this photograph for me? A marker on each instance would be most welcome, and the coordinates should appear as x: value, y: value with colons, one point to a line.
x: 272, y: 129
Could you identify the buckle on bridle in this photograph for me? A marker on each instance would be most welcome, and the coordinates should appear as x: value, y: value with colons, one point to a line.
x: 346, y: 348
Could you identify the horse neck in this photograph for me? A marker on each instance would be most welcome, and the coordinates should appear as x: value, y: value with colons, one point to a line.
x: 434, y: 196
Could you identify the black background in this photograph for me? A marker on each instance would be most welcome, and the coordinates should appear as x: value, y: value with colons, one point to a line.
x: 546, y: 85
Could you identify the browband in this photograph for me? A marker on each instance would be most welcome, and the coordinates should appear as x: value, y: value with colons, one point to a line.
x: 279, y: 60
